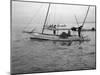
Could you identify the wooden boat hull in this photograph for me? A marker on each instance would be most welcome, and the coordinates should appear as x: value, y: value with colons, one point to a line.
x: 56, y: 38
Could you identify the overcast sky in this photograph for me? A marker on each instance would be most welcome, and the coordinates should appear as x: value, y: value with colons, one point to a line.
x: 34, y: 13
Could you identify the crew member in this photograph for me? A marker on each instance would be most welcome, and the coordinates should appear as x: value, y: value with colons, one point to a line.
x: 79, y: 31
x: 54, y: 30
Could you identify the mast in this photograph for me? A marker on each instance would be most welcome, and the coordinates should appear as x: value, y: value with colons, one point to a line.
x: 80, y: 27
x: 86, y: 16
x: 46, y: 18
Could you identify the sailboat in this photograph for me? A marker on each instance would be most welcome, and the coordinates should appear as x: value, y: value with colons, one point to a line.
x: 52, y: 37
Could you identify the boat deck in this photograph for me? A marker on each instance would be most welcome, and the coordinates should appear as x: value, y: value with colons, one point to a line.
x: 57, y: 38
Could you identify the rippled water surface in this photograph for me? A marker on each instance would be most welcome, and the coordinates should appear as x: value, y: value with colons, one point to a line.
x: 31, y: 56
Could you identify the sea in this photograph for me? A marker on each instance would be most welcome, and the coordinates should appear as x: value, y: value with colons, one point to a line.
x: 38, y: 56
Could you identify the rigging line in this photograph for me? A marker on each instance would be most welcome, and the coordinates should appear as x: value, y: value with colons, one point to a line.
x: 54, y: 16
x: 76, y: 20
x: 35, y: 17
x: 86, y: 16
x: 46, y: 18
x: 32, y: 18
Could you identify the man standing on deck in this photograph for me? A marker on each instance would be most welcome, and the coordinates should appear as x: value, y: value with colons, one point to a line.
x: 79, y: 30
x: 54, y: 30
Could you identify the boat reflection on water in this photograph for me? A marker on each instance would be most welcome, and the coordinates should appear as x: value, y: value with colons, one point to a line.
x: 60, y: 43
x: 66, y: 43
x: 63, y: 43
x: 69, y: 43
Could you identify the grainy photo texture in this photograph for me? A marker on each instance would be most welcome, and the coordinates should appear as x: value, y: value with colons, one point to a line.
x: 52, y: 37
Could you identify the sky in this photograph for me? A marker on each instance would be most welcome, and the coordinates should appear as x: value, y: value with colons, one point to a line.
x: 33, y: 14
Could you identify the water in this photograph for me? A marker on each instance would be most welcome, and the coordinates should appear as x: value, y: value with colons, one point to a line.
x: 31, y: 56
